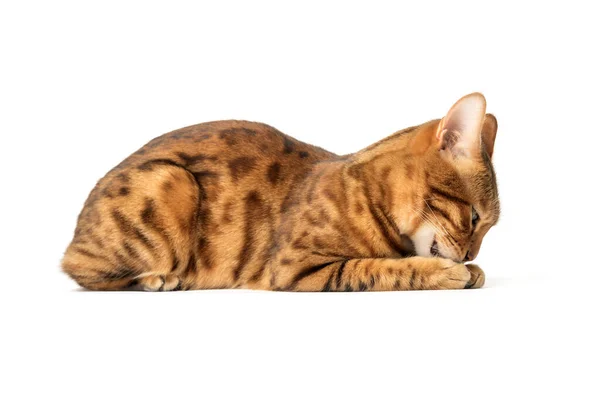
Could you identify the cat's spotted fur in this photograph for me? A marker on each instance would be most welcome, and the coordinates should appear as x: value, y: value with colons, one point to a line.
x: 235, y: 204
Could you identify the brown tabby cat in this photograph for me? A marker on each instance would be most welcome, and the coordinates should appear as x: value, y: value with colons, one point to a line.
x: 235, y: 204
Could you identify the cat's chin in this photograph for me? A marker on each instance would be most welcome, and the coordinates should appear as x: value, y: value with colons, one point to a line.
x: 424, y: 239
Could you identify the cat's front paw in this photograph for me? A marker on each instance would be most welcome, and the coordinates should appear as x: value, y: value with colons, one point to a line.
x: 448, y: 274
x: 477, y: 279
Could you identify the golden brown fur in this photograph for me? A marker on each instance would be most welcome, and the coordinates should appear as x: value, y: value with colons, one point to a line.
x: 236, y: 204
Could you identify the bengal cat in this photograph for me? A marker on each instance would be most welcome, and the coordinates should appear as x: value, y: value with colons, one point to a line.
x: 236, y: 204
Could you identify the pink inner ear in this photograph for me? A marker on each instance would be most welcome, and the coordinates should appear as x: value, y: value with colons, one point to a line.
x: 460, y: 130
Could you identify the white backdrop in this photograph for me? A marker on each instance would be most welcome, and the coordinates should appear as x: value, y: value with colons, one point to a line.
x: 83, y: 85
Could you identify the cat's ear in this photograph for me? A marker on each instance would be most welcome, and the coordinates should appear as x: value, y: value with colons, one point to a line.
x: 488, y: 133
x: 459, y: 132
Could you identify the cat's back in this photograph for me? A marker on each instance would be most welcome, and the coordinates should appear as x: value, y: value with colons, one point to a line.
x: 240, y: 146
x: 228, y: 158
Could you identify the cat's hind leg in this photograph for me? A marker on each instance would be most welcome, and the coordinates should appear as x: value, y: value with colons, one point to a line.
x: 137, y: 229
x: 156, y: 283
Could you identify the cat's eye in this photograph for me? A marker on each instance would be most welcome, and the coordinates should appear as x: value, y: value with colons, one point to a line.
x: 474, y: 216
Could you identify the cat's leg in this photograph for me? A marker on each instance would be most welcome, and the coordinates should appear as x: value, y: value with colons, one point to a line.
x: 137, y: 230
x: 381, y: 274
x: 164, y: 283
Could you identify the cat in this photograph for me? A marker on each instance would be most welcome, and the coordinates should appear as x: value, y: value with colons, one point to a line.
x: 237, y: 204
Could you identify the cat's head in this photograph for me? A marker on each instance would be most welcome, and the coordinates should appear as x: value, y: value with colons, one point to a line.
x: 459, y: 197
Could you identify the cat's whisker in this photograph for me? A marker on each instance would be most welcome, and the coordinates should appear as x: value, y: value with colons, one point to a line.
x: 440, y: 224
x: 437, y: 219
x: 426, y: 218
x: 435, y: 225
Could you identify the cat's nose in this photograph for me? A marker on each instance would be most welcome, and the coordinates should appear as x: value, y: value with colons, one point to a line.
x: 468, y: 257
